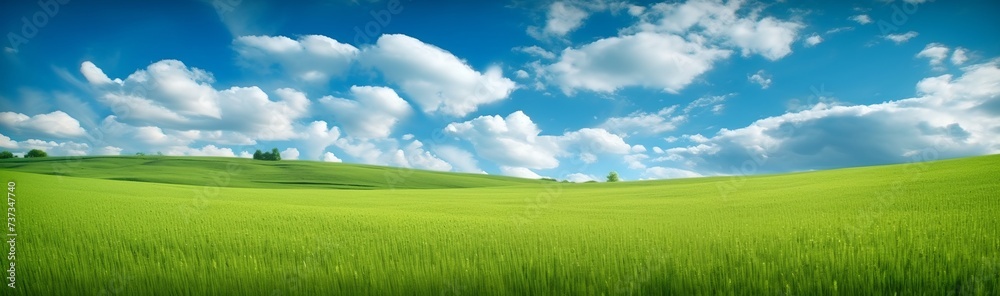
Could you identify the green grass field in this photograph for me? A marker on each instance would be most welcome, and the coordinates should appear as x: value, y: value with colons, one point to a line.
x: 224, y: 226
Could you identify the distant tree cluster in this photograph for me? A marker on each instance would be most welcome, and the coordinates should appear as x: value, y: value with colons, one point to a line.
x: 36, y: 153
x: 613, y: 176
x: 33, y: 153
x: 273, y: 155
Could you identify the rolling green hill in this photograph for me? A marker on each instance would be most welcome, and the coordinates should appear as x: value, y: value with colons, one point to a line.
x: 248, y: 173
x: 924, y: 228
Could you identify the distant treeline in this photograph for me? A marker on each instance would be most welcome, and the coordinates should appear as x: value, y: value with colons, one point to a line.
x: 273, y: 155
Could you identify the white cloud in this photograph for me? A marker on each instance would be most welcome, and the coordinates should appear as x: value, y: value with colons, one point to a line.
x: 434, y: 78
x: 57, y: 124
x: 55, y: 148
x: 416, y: 157
x: 95, y: 75
x: 951, y: 117
x: 638, y: 148
x: 813, y: 39
x: 635, y: 161
x: 721, y: 23
x: 514, y: 141
x: 838, y: 30
x: 863, y: 19
x: 697, y: 138
x: 311, y: 58
x: 636, y: 10
x: 521, y: 74
x: 207, y: 150
x: 244, y: 18
x: 593, y: 140
x: 168, y: 94
x: 580, y: 178
x: 761, y: 78
x: 671, y: 46
x: 373, y: 113
x: 958, y: 57
x: 315, y: 138
x: 290, y: 153
x: 519, y: 172
x: 659, y: 61
x: 536, y: 51
x: 715, y: 102
x: 668, y: 173
x: 366, y: 150
x: 718, y: 108
x: 462, y: 160
x: 388, y: 152
x: 645, y: 123
x: 141, y: 137
x: 108, y: 150
x: 329, y: 157
x: 6, y: 142
x: 563, y: 18
x: 936, y: 53
x: 901, y: 38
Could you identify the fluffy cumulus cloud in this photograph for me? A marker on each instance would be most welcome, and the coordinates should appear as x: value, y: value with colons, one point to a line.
x: 56, y: 124
x: 108, y: 150
x: 639, y: 122
x: 515, y: 141
x: 7, y: 142
x: 414, y: 155
x: 290, y: 154
x: 435, y: 79
x: 390, y: 152
x: 536, y: 51
x: 139, y: 137
x: 512, y: 141
x: 372, y: 114
x: 950, y: 117
x: 667, y: 173
x: 170, y: 95
x: 315, y: 138
x: 311, y: 58
x: 813, y: 40
x: 462, y: 160
x: 563, y: 18
x: 207, y: 150
x: 761, y: 78
x: 69, y: 148
x: 580, y: 178
x: 150, y: 115
x: 671, y: 45
x: 959, y: 56
x: 721, y: 22
x: 330, y: 157
x: 935, y: 53
x: 519, y: 172
x: 901, y: 38
x: 863, y: 19
x: 652, y: 60
x: 150, y: 139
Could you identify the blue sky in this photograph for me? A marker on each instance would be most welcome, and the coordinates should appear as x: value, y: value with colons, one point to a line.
x: 561, y: 89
